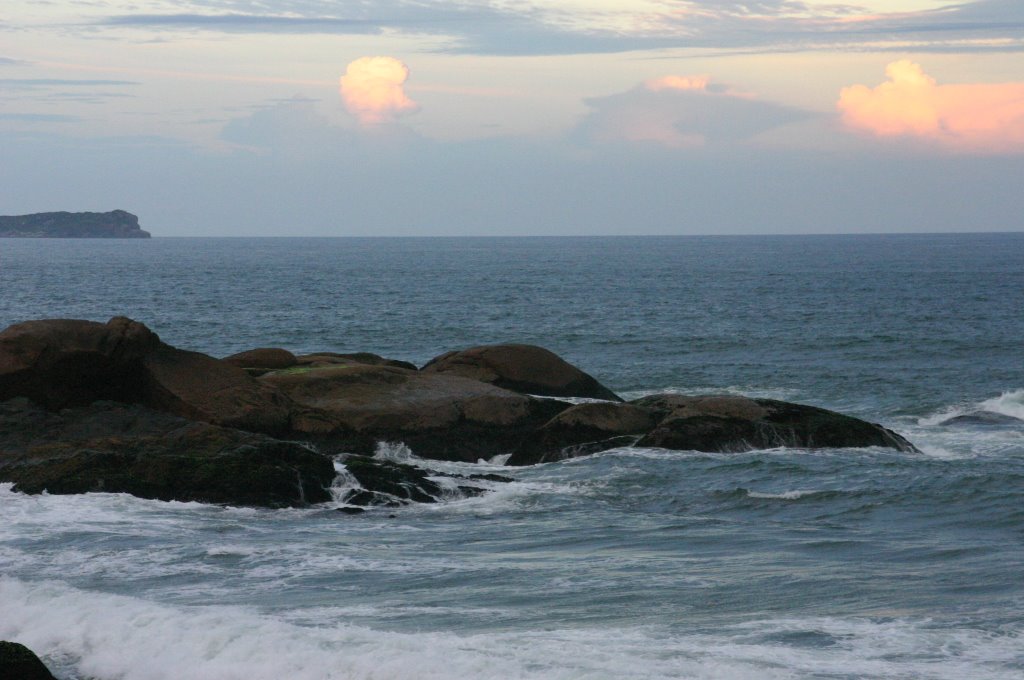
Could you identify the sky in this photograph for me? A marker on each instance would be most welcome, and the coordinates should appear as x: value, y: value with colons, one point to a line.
x: 501, y: 117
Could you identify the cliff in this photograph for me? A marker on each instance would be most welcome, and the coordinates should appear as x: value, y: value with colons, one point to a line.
x: 114, y: 224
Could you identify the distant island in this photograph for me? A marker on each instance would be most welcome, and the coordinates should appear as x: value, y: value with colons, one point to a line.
x: 113, y: 224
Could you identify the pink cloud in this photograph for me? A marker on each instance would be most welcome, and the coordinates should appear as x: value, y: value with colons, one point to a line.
x: 684, y: 83
x: 980, y: 117
x: 372, y: 88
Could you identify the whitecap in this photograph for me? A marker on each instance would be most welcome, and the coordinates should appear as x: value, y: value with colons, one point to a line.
x: 103, y: 636
x: 785, y: 495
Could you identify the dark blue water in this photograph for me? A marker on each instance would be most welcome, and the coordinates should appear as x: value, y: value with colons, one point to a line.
x: 638, y: 563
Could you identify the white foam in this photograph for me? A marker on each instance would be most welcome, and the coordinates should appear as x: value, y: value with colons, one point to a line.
x: 110, y: 637
x: 785, y: 495
x: 1008, y: 403
x: 752, y: 391
x: 396, y: 452
x: 502, y: 497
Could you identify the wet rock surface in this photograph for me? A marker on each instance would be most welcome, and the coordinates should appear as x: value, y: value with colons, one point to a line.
x: 724, y: 423
x: 983, y: 419
x: 113, y: 447
x: 18, y: 662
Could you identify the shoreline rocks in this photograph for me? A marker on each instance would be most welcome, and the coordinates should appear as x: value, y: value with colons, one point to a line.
x: 87, y: 406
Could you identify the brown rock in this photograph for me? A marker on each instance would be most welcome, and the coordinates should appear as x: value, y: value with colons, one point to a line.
x: 350, y: 408
x: 522, y: 368
x: 197, y: 386
x: 64, y: 362
x: 61, y: 363
x: 322, y: 359
x: 269, y: 358
x: 584, y: 429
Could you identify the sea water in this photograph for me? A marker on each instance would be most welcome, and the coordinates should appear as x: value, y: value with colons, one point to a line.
x: 634, y: 563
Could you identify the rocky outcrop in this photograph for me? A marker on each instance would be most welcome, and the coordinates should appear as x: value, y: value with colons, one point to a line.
x: 114, y: 224
x: 262, y: 360
x: 726, y: 423
x: 18, y: 662
x: 352, y: 407
x: 582, y: 430
x: 88, y: 406
x: 521, y: 368
x: 63, y: 362
x: 115, y: 447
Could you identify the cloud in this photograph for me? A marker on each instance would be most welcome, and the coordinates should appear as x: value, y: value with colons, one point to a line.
x: 35, y: 83
x: 545, y: 27
x: 677, y: 83
x: 682, y: 112
x: 372, y: 89
x: 39, y: 117
x: 986, y: 117
x: 249, y: 23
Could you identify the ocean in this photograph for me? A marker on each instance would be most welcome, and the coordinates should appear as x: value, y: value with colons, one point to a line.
x: 630, y: 564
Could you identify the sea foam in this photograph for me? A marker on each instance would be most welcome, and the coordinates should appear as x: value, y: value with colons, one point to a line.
x: 102, y: 636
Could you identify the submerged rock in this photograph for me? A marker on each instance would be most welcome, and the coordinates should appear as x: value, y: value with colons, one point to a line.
x: 983, y: 419
x: 18, y: 662
x: 350, y: 408
x: 389, y: 483
x: 122, y: 448
x: 521, y: 368
x: 726, y: 423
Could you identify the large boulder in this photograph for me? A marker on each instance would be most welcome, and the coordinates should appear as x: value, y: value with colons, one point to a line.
x: 584, y: 429
x: 63, y: 362
x: 521, y: 368
x: 18, y: 662
x: 199, y: 387
x: 262, y: 358
x: 349, y: 408
x: 66, y: 362
x: 126, y: 448
x: 727, y: 423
